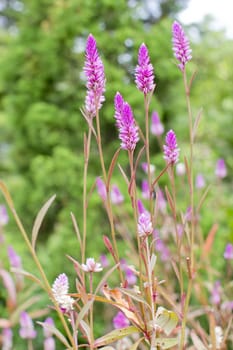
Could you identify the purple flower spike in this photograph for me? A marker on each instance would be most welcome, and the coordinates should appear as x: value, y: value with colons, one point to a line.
x: 128, y: 131
x: 228, y: 253
x: 216, y: 293
x: 60, y: 290
x: 27, y: 330
x: 4, y: 218
x: 120, y: 321
x: 101, y: 188
x: 145, y: 189
x: 171, y: 151
x: 144, y: 75
x: 157, y: 127
x: 181, y: 47
x: 145, y: 227
x: 116, y: 195
x: 7, y: 336
x: 14, y: 259
x: 221, y: 170
x: 94, y: 71
x: 200, y: 181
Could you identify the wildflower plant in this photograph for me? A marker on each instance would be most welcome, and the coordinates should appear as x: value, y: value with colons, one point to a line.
x: 165, y: 243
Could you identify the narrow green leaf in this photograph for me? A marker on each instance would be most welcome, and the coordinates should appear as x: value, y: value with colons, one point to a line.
x: 84, y: 311
x: 115, y: 335
x: 39, y: 220
x: 135, y: 345
x: 166, y: 343
x: 134, y: 296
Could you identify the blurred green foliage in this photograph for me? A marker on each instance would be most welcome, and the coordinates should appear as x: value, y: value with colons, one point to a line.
x: 42, y: 90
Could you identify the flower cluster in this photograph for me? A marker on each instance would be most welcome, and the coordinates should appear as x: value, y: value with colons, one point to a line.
x: 181, y: 47
x: 144, y: 75
x: 60, y: 290
x: 171, y: 150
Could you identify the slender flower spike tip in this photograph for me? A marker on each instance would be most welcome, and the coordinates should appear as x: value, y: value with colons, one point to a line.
x: 145, y: 227
x: 144, y: 74
x: 228, y: 253
x: 91, y: 266
x: 116, y: 195
x: 94, y: 71
x: 156, y: 127
x: 221, y: 170
x: 128, y: 131
x: 171, y: 150
x: 101, y: 188
x: 27, y: 330
x: 181, y: 48
x: 60, y: 290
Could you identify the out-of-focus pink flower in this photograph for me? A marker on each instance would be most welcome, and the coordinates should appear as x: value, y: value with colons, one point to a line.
x: 101, y: 188
x: 92, y: 266
x: 221, y: 169
x: 144, y: 75
x: 161, y: 201
x: 4, y: 218
x: 228, y: 253
x: 171, y: 150
x: 104, y: 260
x: 216, y: 293
x: 116, y: 196
x: 181, y: 47
x: 145, y: 168
x: 156, y: 126
x: 141, y: 208
x: 60, y: 289
x: 161, y: 247
x: 145, y: 189
x: 49, y: 342
x: 15, y: 259
x: 26, y: 330
x: 130, y: 276
x: 120, y: 321
x: 200, y: 181
x: 180, y: 169
x: 7, y: 336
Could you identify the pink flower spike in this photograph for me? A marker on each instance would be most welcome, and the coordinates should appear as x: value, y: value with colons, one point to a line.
x: 120, y: 321
x: 60, y: 290
x: 94, y: 71
x: 221, y: 170
x: 48, y: 322
x: 116, y: 196
x: 216, y: 293
x: 27, y: 330
x: 145, y: 189
x: 200, y: 181
x: 104, y: 260
x: 92, y: 266
x: 228, y: 253
x: 144, y: 75
x: 7, y: 336
x: 15, y: 260
x: 145, y: 168
x: 4, y: 218
x: 145, y: 227
x: 181, y: 48
x: 171, y: 150
x: 156, y: 127
x: 101, y: 188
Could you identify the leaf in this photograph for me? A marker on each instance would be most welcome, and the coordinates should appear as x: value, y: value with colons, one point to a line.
x: 86, y: 329
x: 135, y: 345
x: 28, y: 275
x: 196, y: 123
x: 115, y: 335
x: 111, y: 167
x: 152, y: 262
x: 166, y: 343
x: 165, y: 319
x: 39, y: 219
x: 56, y: 332
x: 84, y: 311
x: 133, y: 295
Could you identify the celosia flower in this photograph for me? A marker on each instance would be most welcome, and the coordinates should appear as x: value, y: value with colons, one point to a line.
x: 7, y: 336
x: 145, y: 227
x: 4, y: 218
x: 145, y: 168
x: 14, y: 259
x: 120, y: 321
x: 128, y: 131
x: 180, y: 169
x: 200, y: 181
x: 171, y: 150
x: 60, y: 290
x: 228, y: 253
x: 49, y: 342
x: 145, y: 189
x: 130, y: 276
x: 181, y: 47
x: 101, y: 188
x: 144, y: 75
x: 221, y: 170
x: 161, y: 247
x: 94, y: 71
x: 104, y: 260
x: 26, y: 330
x: 216, y: 293
x: 156, y: 127
x: 91, y: 266
x: 161, y: 201
x: 115, y: 195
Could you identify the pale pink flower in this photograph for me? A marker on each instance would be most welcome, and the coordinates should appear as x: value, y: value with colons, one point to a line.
x: 101, y: 188
x: 7, y: 336
x: 92, y: 266
x: 228, y: 253
x: 116, y: 196
x: 156, y: 127
x: 4, y: 218
x: 26, y: 330
x: 120, y: 321
x: 221, y: 170
x: 60, y: 290
x: 145, y: 227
